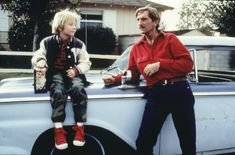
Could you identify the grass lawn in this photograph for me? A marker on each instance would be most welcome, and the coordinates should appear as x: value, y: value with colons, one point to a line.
x: 11, y: 75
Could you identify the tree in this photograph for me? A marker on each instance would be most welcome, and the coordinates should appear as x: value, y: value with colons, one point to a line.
x: 213, y: 14
x: 21, y: 30
x: 31, y: 20
x: 193, y: 15
x: 222, y: 14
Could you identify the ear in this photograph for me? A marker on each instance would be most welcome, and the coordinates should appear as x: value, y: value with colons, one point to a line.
x: 156, y: 22
x: 60, y: 29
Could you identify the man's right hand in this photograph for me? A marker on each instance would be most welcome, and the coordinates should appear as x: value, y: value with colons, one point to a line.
x: 108, y: 80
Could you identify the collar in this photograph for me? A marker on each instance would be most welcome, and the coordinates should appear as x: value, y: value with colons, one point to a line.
x: 67, y: 42
x: 143, y: 39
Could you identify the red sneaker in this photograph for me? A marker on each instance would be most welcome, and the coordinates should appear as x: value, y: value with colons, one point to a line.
x: 60, y: 139
x: 79, y: 136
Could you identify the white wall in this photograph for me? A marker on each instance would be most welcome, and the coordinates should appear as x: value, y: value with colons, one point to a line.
x: 4, y: 21
x: 4, y: 26
x: 126, y: 22
x: 109, y: 19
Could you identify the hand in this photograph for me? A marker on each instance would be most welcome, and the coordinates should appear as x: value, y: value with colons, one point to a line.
x: 71, y: 73
x: 151, y: 69
x: 108, y: 79
x: 41, y: 64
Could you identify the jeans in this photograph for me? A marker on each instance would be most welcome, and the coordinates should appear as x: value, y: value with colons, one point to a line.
x: 61, y: 87
x: 162, y: 100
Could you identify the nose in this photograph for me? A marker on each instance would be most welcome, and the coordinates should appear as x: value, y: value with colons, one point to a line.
x: 140, y: 22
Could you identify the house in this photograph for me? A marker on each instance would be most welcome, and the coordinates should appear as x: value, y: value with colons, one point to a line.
x: 116, y: 14
x: 193, y: 32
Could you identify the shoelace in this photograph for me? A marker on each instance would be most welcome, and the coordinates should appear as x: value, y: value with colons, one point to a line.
x: 60, y: 136
x: 79, y: 132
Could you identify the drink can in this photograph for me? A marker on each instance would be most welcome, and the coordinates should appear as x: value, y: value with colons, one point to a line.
x: 40, y: 80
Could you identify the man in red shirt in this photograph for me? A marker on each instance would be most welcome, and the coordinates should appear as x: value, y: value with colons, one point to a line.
x: 164, y: 62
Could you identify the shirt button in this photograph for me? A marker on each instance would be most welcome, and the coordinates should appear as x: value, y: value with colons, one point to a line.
x: 67, y: 47
x: 69, y: 56
x: 70, y: 67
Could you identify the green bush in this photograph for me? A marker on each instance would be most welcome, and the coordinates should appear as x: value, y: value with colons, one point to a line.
x: 99, y: 40
x: 21, y: 36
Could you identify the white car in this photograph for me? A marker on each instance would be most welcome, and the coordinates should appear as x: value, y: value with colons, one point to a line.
x: 114, y: 113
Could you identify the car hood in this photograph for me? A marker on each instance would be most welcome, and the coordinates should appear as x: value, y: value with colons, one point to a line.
x: 23, y: 87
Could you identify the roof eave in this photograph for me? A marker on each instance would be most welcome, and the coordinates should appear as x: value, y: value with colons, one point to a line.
x: 144, y: 3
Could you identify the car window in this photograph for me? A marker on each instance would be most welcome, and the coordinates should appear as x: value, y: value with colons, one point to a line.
x: 215, y: 65
x: 216, y: 60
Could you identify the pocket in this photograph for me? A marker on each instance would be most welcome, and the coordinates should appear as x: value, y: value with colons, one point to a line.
x: 142, y: 63
x: 188, y: 93
x: 142, y: 59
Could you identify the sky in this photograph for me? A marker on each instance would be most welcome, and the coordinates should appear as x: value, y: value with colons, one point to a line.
x: 170, y: 17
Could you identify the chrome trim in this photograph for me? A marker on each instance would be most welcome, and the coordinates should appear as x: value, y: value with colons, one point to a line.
x: 110, y: 96
x: 93, y: 137
x: 195, y: 64
x: 90, y: 97
x: 116, y: 96
x: 24, y: 99
x: 98, y: 141
x: 213, y: 93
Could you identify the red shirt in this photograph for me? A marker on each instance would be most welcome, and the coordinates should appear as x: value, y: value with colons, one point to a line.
x: 175, y: 60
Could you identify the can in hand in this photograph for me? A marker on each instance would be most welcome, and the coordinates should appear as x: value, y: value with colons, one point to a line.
x: 40, y: 80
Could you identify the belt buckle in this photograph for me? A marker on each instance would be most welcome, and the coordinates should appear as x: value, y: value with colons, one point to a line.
x: 165, y: 82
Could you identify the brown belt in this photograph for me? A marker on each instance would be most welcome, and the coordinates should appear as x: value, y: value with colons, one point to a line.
x: 171, y: 81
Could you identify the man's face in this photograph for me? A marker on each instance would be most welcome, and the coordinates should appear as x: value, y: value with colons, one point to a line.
x: 145, y: 23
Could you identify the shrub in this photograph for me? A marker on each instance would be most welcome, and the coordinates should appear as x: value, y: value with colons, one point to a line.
x: 99, y: 40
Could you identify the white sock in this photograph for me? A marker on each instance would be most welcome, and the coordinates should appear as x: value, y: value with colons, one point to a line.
x: 80, y: 123
x: 58, y: 124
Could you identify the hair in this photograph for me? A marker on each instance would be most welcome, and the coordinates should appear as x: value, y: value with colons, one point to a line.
x: 60, y: 18
x: 152, y: 12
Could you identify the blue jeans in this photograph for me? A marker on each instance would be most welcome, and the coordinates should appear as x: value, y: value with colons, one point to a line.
x: 61, y: 87
x: 176, y: 99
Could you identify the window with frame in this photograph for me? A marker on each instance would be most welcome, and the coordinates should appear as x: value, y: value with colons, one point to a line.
x: 91, y: 18
x: 215, y: 64
x: 216, y: 59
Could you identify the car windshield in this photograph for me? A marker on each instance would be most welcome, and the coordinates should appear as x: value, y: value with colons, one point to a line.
x: 119, y: 65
